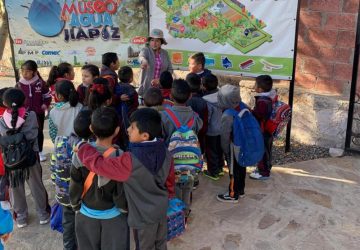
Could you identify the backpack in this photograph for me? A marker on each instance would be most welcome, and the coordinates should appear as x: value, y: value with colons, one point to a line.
x: 247, y: 137
x: 280, y: 116
x: 18, y: 155
x: 184, y: 145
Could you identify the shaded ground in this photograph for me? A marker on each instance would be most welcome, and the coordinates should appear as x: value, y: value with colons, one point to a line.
x: 304, y: 205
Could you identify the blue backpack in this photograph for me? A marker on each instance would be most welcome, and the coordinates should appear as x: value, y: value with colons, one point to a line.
x: 247, y: 137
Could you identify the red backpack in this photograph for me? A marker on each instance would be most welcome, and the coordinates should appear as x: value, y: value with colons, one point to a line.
x: 280, y: 116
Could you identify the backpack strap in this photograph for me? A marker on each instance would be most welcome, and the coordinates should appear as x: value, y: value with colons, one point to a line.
x: 173, y: 118
x: 89, y: 179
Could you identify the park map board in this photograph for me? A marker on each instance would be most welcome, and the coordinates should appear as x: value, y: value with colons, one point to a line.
x: 236, y: 36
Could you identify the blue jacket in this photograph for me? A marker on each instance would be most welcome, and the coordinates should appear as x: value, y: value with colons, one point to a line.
x: 6, y: 223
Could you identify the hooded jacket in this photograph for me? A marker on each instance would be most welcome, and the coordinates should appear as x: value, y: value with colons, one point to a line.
x: 61, y: 119
x: 110, y: 75
x: 29, y: 125
x: 148, y: 175
x: 36, y: 92
x: 228, y: 98
x: 214, y: 114
x: 103, y: 193
x: 263, y: 106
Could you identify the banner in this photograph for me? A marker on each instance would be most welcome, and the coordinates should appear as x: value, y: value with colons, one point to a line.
x: 77, y: 31
x: 243, y: 37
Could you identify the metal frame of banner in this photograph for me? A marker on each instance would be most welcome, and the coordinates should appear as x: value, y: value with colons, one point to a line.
x: 354, y: 79
x: 13, y: 62
x: 292, y: 82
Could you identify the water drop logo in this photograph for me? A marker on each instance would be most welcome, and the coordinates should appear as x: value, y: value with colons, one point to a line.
x: 44, y: 17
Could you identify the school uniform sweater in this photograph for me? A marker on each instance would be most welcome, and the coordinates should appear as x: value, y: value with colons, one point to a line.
x: 103, y: 193
x: 148, y: 175
x: 36, y: 92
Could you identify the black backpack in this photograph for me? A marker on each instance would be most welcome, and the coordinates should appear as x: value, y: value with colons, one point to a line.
x: 18, y: 155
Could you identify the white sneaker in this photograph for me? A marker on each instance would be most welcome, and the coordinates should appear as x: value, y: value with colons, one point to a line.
x: 258, y: 176
x: 42, y: 156
x: 46, y: 221
x: 21, y: 224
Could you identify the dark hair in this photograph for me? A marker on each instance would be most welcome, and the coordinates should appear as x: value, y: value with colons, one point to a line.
x: 194, y: 81
x: 210, y: 82
x: 99, y: 93
x: 31, y: 65
x: 265, y: 82
x: 58, y: 71
x: 125, y: 74
x: 14, y: 99
x: 92, y: 69
x: 2, y: 91
x: 166, y: 80
x: 147, y: 121
x: 82, y: 124
x: 153, y: 97
x: 104, y: 122
x: 108, y: 58
x: 180, y: 91
x: 199, y: 58
x: 66, y: 89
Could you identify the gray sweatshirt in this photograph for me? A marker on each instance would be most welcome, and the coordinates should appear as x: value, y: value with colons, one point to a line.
x: 184, y: 114
x: 228, y: 98
x: 147, y: 75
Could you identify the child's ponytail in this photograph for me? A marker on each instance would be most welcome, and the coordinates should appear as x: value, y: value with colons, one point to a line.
x: 14, y: 99
x: 73, y: 97
x: 53, y: 74
x: 67, y: 90
x: 99, y: 93
x: 58, y: 71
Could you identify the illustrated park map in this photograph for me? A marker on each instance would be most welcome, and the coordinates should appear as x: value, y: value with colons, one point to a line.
x: 218, y: 21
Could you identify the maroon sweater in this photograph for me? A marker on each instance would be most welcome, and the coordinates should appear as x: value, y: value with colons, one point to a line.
x: 36, y: 92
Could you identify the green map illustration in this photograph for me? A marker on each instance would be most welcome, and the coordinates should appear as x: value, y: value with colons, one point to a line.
x: 219, y: 21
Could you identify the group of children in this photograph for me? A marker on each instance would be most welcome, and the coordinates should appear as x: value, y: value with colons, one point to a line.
x: 111, y: 164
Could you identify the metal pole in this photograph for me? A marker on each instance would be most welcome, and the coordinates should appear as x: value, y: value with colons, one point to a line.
x: 292, y: 82
x: 353, y: 85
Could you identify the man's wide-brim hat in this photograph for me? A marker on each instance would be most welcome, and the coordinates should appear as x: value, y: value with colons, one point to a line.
x: 157, y: 33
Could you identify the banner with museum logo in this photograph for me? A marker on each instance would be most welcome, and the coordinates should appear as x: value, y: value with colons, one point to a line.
x: 77, y: 31
x: 243, y: 37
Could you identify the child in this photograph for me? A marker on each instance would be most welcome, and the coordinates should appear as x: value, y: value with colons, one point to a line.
x: 63, y: 114
x: 38, y: 97
x: 110, y: 63
x: 166, y: 80
x: 154, y: 99
x: 197, y: 65
x: 64, y: 71
x: 99, y: 94
x: 198, y: 105
x: 229, y: 98
x: 101, y: 222
x: 88, y: 72
x: 264, y: 99
x: 127, y: 102
x: 213, y: 151
x: 4, y: 183
x: 6, y: 225
x: 62, y: 165
x: 16, y: 118
x: 180, y: 93
x: 148, y: 175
